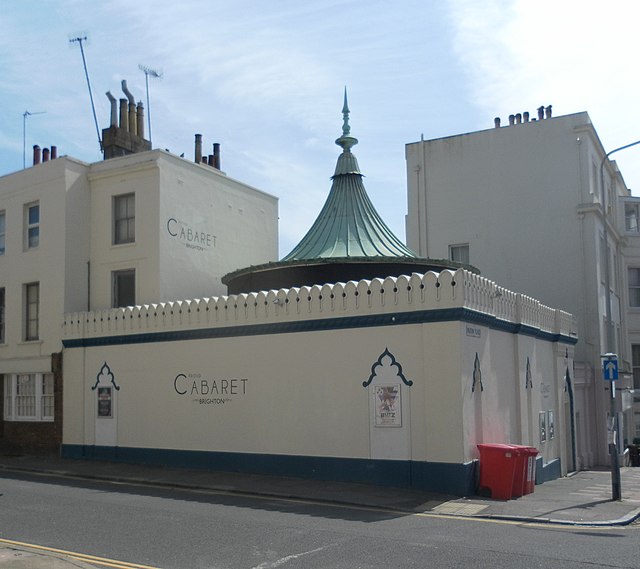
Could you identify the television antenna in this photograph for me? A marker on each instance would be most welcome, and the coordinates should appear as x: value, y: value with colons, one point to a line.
x: 79, y: 41
x: 24, y: 134
x: 157, y: 75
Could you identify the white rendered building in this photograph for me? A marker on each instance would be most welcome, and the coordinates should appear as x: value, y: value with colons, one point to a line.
x: 629, y: 227
x: 140, y: 229
x: 388, y: 378
x: 524, y: 204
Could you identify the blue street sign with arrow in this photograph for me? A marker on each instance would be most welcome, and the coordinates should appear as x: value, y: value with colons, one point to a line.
x: 610, y: 367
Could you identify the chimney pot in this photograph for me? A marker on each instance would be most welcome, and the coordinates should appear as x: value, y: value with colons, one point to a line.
x: 124, y: 114
x: 496, y: 122
x: 216, y: 155
x: 140, y: 119
x: 198, y: 156
x: 113, y: 102
x: 540, y: 113
x: 54, y: 152
x: 548, y: 112
x: 518, y: 118
x: 512, y: 119
x: 36, y: 154
x: 525, y: 116
x: 45, y: 155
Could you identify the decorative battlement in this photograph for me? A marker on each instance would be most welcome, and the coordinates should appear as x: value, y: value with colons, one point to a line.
x: 405, y: 294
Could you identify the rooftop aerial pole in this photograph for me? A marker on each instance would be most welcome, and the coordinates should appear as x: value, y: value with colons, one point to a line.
x: 158, y: 75
x: 79, y: 41
x: 24, y: 135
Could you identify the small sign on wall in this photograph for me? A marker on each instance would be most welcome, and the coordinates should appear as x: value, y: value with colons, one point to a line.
x: 105, y: 402
x: 388, y: 406
x: 542, y: 425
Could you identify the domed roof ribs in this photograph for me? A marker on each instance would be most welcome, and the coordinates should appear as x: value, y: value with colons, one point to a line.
x: 348, y: 225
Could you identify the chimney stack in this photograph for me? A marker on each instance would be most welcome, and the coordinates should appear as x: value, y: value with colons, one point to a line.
x: 496, y: 122
x: 512, y: 120
x: 216, y: 155
x: 198, y: 156
x: 45, y: 155
x: 518, y: 118
x: 525, y: 116
x: 548, y: 112
x: 54, y: 152
x: 540, y: 113
x: 36, y: 154
x: 125, y: 134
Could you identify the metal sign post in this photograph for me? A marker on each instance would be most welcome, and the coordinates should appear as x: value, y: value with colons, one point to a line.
x: 610, y: 374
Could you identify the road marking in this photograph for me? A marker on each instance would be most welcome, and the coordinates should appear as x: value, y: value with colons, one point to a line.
x: 104, y: 561
x: 283, y: 560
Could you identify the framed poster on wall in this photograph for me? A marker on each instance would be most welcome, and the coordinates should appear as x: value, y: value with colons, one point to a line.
x: 105, y: 402
x: 388, y: 406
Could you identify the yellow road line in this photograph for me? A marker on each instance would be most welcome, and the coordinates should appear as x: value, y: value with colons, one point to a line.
x: 79, y: 556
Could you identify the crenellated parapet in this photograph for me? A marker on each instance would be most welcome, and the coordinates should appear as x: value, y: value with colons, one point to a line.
x: 467, y: 292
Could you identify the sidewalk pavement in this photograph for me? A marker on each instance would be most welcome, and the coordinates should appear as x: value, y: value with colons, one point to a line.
x: 581, y: 499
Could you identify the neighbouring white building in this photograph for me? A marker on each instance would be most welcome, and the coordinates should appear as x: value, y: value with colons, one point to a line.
x: 629, y: 228
x: 524, y: 203
x: 142, y: 228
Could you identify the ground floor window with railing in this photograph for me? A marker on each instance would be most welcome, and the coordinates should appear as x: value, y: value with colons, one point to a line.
x: 28, y: 397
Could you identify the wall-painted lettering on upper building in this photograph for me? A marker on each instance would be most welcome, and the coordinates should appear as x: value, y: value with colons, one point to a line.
x: 192, y: 238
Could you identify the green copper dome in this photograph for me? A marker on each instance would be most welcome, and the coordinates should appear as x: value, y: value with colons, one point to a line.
x: 348, y: 241
x: 348, y: 225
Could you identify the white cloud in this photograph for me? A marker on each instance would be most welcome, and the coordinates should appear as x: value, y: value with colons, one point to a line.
x: 575, y: 55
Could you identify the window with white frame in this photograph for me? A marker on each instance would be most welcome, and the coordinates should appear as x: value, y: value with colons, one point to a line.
x: 3, y: 222
x: 459, y: 253
x: 31, y: 311
x: 2, y: 317
x: 32, y: 225
x: 124, y: 288
x: 28, y: 397
x: 634, y: 286
x: 124, y: 219
x: 632, y: 217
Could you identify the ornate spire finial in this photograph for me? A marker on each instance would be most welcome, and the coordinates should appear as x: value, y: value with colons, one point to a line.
x: 346, y: 140
x: 346, y: 129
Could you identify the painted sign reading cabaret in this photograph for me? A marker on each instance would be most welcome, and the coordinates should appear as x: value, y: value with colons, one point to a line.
x: 205, y: 391
x: 196, y: 238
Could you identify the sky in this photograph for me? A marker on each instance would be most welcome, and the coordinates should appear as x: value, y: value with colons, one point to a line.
x: 266, y: 81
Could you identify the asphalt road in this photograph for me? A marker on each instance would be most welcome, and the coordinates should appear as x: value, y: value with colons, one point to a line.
x: 173, y: 529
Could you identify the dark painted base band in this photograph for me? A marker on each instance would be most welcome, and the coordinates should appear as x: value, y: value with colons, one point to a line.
x: 547, y: 472
x: 456, y: 479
